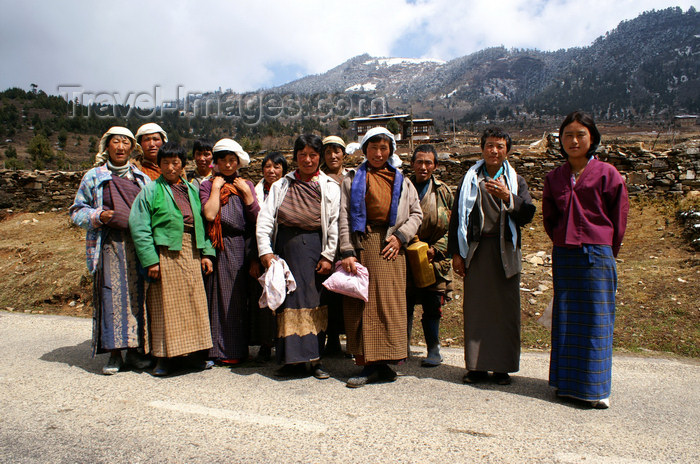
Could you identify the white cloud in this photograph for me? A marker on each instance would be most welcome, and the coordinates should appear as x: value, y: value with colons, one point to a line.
x: 461, y: 28
x: 134, y: 45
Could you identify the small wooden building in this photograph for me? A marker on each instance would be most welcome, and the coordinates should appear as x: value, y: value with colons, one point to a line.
x: 422, y: 128
x: 685, y: 120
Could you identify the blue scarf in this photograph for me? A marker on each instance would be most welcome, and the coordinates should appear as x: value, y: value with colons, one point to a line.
x: 467, y: 198
x: 358, y: 208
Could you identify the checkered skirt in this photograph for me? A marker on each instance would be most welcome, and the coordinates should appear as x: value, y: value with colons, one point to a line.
x: 177, y: 304
x: 585, y: 281
x: 376, y: 330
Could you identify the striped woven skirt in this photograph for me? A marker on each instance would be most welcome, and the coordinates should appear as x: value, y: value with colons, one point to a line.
x: 119, y: 319
x: 177, y: 303
x: 301, y: 318
x: 226, y: 289
x: 377, y: 330
x: 585, y: 281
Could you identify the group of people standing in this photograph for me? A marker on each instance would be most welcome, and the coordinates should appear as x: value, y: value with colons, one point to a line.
x: 176, y: 262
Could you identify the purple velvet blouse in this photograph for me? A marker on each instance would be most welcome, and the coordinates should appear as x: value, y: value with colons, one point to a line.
x: 593, y: 211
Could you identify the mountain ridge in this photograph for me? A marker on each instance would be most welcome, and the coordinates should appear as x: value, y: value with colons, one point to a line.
x: 645, y: 66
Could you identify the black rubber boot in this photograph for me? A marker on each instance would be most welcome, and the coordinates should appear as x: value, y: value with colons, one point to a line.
x: 431, y: 331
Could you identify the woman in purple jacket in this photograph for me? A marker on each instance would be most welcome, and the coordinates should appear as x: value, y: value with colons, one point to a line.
x: 584, y: 205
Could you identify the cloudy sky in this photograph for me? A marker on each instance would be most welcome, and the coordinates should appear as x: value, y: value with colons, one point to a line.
x: 131, y: 47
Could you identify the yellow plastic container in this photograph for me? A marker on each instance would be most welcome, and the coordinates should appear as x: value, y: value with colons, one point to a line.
x: 421, y: 268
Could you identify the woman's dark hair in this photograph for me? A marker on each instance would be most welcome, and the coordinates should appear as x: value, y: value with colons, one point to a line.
x: 586, y: 120
x: 496, y: 133
x: 425, y: 148
x: 202, y: 145
x: 172, y: 150
x: 223, y: 154
x: 276, y: 158
x: 378, y: 138
x: 308, y: 140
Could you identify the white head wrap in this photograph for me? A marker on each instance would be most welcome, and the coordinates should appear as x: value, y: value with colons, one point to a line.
x: 233, y: 146
x: 102, y: 155
x: 376, y: 131
x: 151, y: 128
x: 352, y: 148
x: 394, y: 159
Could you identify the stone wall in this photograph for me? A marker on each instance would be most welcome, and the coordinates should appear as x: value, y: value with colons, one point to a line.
x: 37, y: 190
x: 691, y: 226
x: 671, y: 172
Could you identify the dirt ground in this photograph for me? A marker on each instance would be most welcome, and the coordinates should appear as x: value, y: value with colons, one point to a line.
x: 42, y: 259
x: 658, y: 300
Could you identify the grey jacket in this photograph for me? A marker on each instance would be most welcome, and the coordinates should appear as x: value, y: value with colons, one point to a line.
x: 521, y: 210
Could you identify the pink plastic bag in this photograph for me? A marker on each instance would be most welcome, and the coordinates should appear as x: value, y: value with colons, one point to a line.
x: 345, y: 283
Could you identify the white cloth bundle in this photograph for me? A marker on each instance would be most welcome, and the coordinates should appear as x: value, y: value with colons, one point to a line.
x: 276, y: 282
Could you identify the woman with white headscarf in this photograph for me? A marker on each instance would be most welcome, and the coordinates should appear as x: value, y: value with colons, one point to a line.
x: 102, y: 206
x: 379, y: 214
x: 231, y: 209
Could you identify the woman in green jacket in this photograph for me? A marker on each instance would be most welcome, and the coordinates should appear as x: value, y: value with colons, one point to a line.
x: 168, y: 233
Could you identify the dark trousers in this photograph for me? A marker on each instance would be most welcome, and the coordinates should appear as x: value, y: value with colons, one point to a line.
x: 429, y: 300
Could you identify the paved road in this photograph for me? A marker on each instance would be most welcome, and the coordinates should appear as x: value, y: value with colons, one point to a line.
x: 56, y: 407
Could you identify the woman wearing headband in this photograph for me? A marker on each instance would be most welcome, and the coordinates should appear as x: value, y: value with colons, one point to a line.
x: 102, y: 206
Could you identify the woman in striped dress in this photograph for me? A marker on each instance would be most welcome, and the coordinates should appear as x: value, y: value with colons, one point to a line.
x: 262, y: 320
x: 102, y: 207
x: 299, y: 223
x: 230, y: 207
